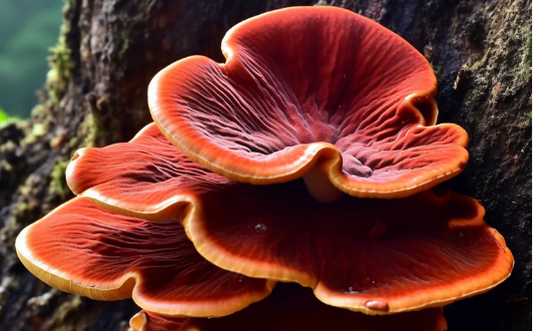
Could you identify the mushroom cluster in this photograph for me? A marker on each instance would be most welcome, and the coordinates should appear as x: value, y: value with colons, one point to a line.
x: 317, y: 168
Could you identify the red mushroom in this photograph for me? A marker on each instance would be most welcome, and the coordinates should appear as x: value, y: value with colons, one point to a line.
x: 293, y: 309
x: 377, y: 256
x: 374, y: 256
x: 147, y: 177
x: 314, y: 92
x: 84, y: 249
x: 354, y: 112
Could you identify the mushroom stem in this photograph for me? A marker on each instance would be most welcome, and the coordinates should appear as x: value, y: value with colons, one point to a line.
x: 320, y: 187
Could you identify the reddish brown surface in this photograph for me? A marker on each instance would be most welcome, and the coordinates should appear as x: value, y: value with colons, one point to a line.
x: 295, y: 309
x: 84, y: 249
x: 147, y: 177
x: 375, y: 256
x: 306, y: 85
x: 148, y: 321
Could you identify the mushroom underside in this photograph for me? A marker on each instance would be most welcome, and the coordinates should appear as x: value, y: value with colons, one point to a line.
x: 290, y: 308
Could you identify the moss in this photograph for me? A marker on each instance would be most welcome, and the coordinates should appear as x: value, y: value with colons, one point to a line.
x: 90, y: 129
x: 60, y: 61
x: 58, y: 182
x: 60, y: 70
x: 21, y: 208
x: 523, y: 71
x: 466, y: 72
x: 479, y: 63
x: 39, y: 110
x: 37, y: 130
x: 526, y: 57
x: 524, y: 120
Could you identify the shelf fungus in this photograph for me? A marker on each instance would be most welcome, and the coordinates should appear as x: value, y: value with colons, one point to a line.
x: 84, y: 249
x: 147, y: 177
x: 313, y: 92
x: 317, y: 102
x: 369, y: 255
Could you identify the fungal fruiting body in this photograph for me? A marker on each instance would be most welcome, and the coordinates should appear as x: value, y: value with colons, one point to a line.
x: 314, y: 93
x: 173, y: 218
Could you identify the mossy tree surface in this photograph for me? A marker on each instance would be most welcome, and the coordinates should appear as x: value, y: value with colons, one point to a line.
x: 96, y: 94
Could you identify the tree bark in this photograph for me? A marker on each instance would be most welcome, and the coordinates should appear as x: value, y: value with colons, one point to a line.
x: 96, y: 94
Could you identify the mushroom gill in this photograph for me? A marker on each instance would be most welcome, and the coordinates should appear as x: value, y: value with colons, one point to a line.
x: 314, y: 92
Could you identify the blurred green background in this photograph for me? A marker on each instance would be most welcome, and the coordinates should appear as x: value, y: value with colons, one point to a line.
x: 28, y: 28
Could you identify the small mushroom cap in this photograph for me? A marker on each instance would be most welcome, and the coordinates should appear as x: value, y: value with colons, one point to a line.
x: 147, y: 177
x: 294, y: 309
x: 311, y: 87
x: 81, y: 248
x: 372, y: 256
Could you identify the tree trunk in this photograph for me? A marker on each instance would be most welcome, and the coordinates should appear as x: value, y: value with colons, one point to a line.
x: 96, y: 94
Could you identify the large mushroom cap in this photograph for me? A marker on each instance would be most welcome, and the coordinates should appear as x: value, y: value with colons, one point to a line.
x: 294, y: 309
x: 375, y: 256
x: 314, y: 92
x: 84, y: 249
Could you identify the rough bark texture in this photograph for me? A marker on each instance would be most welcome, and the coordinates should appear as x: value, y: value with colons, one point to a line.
x: 96, y: 94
